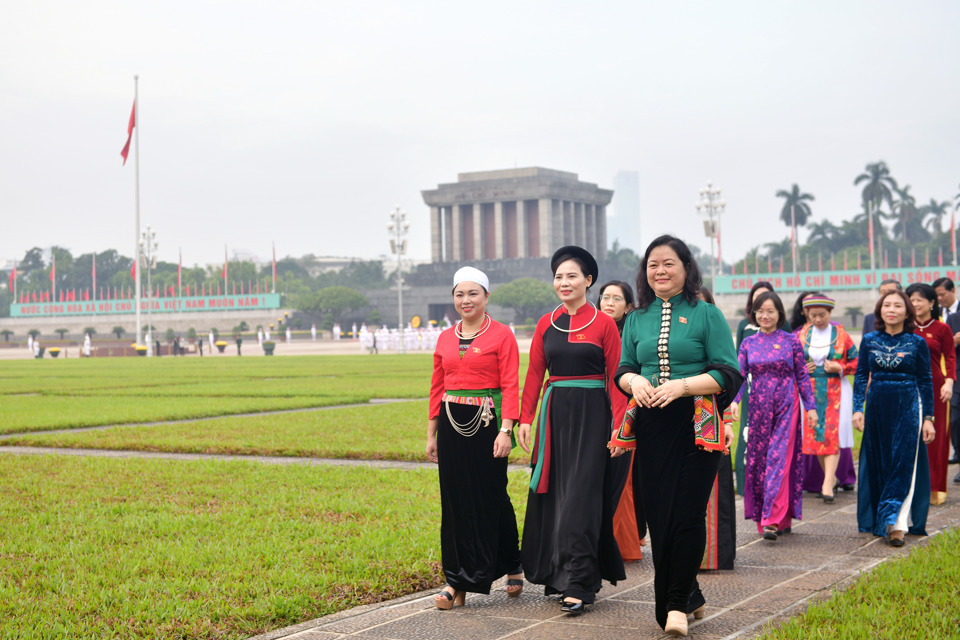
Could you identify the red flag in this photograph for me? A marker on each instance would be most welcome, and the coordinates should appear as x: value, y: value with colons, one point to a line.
x: 781, y: 264
x: 179, y: 272
x: 733, y: 269
x: 86, y: 294
x: 940, y: 256
x: 133, y: 271
x: 806, y: 263
x: 126, y: 147
x: 218, y: 287
x: 234, y: 283
x: 769, y: 263
x: 173, y: 291
x: 913, y: 256
x: 858, y: 261
x: 870, y: 234
x: 926, y: 257
x: 899, y: 260
x: 832, y: 267
x: 756, y: 263
x: 34, y: 296
x: 53, y: 269
x: 13, y: 275
x: 844, y: 260
x: 953, y: 234
x: 93, y: 272
x: 258, y: 286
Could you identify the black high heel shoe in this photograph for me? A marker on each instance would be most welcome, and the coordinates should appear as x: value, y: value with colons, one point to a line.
x: 572, y: 608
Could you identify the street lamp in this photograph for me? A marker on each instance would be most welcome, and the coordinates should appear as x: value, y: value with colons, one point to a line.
x: 397, y: 227
x: 711, y: 205
x: 148, y: 259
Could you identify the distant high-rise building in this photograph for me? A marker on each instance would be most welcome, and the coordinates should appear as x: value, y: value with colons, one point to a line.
x: 623, y: 221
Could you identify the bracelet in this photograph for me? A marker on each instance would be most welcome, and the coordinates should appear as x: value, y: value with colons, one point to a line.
x: 686, y: 387
x: 630, y: 382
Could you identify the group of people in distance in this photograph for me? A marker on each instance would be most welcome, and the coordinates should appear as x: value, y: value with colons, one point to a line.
x: 629, y: 429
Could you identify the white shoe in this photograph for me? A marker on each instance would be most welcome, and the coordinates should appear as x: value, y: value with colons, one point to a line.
x: 676, y: 624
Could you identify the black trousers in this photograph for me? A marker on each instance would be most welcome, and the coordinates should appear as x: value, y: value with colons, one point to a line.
x: 955, y: 423
x: 676, y: 479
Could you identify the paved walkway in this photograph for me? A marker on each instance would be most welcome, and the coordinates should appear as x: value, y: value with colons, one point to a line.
x: 772, y: 582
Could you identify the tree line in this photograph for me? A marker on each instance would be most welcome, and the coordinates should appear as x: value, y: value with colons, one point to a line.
x: 299, y: 280
x: 901, y: 224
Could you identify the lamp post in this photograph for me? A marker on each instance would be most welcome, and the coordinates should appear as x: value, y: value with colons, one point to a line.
x: 148, y: 259
x: 397, y: 227
x: 711, y: 205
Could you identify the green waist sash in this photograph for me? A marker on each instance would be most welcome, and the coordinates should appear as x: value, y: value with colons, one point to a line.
x: 485, y: 393
x: 540, y: 461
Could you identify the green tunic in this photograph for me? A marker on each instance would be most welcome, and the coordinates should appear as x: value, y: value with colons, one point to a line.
x: 699, y: 335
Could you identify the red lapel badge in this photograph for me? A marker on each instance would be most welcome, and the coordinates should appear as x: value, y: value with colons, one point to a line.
x: 683, y: 320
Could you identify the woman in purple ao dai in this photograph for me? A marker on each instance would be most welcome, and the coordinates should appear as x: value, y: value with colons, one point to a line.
x: 773, y: 359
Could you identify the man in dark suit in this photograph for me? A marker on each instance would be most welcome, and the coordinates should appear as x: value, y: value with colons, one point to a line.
x: 953, y: 321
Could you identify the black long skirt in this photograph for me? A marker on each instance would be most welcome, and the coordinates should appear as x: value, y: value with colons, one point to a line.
x: 568, y: 541
x: 675, y: 481
x: 478, y: 530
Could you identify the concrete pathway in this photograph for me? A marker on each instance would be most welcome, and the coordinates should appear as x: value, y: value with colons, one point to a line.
x: 772, y: 582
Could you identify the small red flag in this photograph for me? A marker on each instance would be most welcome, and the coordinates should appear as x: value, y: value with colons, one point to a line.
x: 126, y: 147
x: 133, y: 271
x: 13, y: 275
x: 53, y: 269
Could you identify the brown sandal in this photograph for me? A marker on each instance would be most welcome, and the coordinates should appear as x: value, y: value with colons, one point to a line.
x: 445, y: 601
x: 514, y: 587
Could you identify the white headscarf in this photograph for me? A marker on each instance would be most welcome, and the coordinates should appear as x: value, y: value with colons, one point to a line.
x: 471, y: 274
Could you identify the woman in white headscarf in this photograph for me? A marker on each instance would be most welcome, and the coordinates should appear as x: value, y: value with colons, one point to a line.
x: 474, y: 404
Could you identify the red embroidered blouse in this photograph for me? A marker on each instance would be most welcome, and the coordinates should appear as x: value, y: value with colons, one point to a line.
x: 492, y: 361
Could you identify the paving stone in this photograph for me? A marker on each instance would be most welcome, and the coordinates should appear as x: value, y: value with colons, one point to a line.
x: 726, y: 623
x: 314, y: 635
x: 616, y: 613
x: 775, y: 600
x: 817, y: 580
x: 372, y: 618
x: 649, y: 630
x: 445, y: 624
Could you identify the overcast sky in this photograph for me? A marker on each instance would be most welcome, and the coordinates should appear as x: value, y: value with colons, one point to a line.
x: 305, y: 123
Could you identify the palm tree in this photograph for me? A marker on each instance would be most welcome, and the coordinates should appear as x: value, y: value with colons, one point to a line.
x: 795, y: 213
x: 823, y: 233
x: 908, y: 219
x: 934, y: 213
x: 878, y: 187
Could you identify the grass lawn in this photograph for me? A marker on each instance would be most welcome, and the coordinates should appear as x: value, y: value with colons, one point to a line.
x: 395, y: 431
x: 40, y: 395
x: 93, y: 547
x: 46, y: 394
x: 910, y: 597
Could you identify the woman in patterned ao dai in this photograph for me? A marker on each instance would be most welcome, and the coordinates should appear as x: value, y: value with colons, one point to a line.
x: 831, y: 357
x: 894, y: 486
x: 774, y: 359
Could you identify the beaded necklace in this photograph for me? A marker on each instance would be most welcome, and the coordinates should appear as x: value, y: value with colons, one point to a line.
x: 595, y: 312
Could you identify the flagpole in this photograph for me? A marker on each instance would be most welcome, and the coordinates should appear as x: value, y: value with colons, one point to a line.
x: 136, y: 172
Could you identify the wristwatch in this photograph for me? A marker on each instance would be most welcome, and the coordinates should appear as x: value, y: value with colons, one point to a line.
x: 505, y: 430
